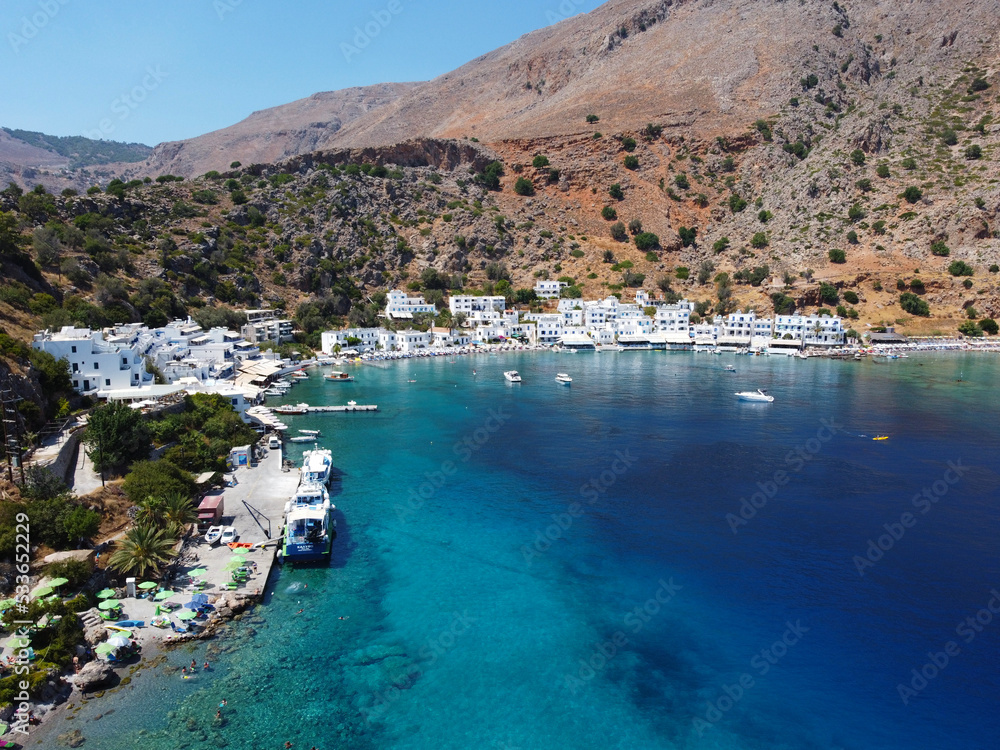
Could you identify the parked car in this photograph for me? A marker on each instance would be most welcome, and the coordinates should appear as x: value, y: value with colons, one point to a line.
x: 213, y: 535
x: 274, y: 442
x: 228, y: 535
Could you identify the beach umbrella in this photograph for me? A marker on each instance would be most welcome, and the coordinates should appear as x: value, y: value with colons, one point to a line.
x: 56, y: 582
x: 104, y: 648
x: 109, y: 604
x: 118, y: 641
x: 186, y: 614
x: 239, y: 550
x: 106, y: 594
x: 146, y: 585
x: 233, y: 565
x: 161, y: 595
x: 200, y: 598
x: 197, y: 572
x: 43, y: 591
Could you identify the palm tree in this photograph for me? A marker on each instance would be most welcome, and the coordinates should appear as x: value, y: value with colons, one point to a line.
x: 152, y: 512
x: 178, y: 512
x: 142, y: 550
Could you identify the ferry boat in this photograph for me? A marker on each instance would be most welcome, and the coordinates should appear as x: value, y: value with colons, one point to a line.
x: 759, y: 395
x: 309, y: 525
x: 564, y: 378
x: 290, y: 409
x: 316, y: 466
x: 512, y: 376
x: 340, y: 377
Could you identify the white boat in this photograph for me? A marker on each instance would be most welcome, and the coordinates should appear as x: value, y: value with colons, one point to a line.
x: 316, y: 466
x: 299, y: 375
x: 309, y: 526
x: 289, y: 409
x: 759, y: 395
x: 302, y: 439
x: 213, y: 535
x: 309, y: 432
x: 563, y: 378
x: 729, y: 368
x: 512, y: 376
x: 340, y: 377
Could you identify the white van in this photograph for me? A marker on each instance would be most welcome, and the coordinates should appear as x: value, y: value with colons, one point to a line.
x: 274, y: 442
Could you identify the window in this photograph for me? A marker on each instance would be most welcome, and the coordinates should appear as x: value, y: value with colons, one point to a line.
x: 107, y: 381
x: 76, y: 367
x: 73, y: 349
x: 76, y: 383
x: 97, y: 365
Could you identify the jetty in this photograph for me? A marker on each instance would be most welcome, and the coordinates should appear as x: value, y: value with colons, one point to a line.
x: 349, y: 407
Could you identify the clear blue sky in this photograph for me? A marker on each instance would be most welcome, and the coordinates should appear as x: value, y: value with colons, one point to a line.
x: 69, y: 67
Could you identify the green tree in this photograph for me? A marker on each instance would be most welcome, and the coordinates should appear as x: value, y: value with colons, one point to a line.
x: 837, y: 255
x: 142, y: 551
x: 156, y: 479
x: 736, y: 203
x: 858, y: 157
x: 631, y: 161
x: 989, y: 326
x: 609, y: 213
x: 628, y: 143
x: 970, y: 328
x: 618, y: 233
x: 687, y: 235
x: 938, y: 247
x: 828, y: 293
x: 960, y: 268
x: 524, y: 186
x: 616, y: 192
x: 912, y: 194
x: 759, y: 240
x: 646, y: 241
x: 117, y: 435
x: 681, y: 181
x: 912, y: 304
x: 540, y: 161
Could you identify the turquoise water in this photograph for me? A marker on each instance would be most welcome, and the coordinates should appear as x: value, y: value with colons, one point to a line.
x: 537, y: 566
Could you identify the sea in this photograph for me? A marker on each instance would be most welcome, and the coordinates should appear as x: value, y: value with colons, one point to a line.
x: 637, y: 560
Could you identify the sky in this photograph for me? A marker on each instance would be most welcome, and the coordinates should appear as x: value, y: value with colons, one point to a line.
x: 149, y: 71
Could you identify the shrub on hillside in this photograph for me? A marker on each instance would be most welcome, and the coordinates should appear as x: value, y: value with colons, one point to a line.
x: 913, y: 305
x: 837, y: 255
x: 524, y: 186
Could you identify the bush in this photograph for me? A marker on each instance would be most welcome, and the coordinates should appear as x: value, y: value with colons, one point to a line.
x: 989, y: 326
x: 647, y: 241
x: 858, y: 157
x: 682, y: 272
x: 609, y: 213
x: 633, y: 279
x: 828, y: 293
x: 852, y: 237
x: 553, y: 176
x: 540, y: 161
x: 949, y: 137
x: 759, y: 240
x: 939, y: 248
x: 973, y: 152
x: 967, y: 283
x: 720, y: 245
x: 687, y: 235
x: 524, y: 186
x: 912, y: 304
x: 994, y: 268
x: 916, y: 285
x: 736, y: 203
x: 652, y: 257
x: 960, y: 268
x: 970, y: 328
x: 156, y: 478
x: 837, y: 256
x: 909, y: 163
x: 912, y: 194
x: 978, y: 84
x: 798, y: 149
x: 616, y: 192
x: 851, y: 297
x: 855, y: 213
x: 681, y: 181
x: 628, y: 143
x: 490, y: 176
x: 635, y: 226
x: 631, y: 161
x: 618, y: 232
x: 882, y: 170
x: 117, y: 435
x: 77, y: 571
x: 592, y: 118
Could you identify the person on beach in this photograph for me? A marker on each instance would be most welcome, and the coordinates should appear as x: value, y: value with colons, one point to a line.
x: 218, y: 714
x: 184, y: 670
x: 194, y: 665
x: 206, y: 666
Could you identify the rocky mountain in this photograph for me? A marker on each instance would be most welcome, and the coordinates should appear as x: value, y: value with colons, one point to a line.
x: 273, y: 134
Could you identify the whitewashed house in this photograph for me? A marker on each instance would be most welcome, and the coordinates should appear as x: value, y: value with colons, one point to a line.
x: 96, y: 364
x: 401, y: 306
x: 549, y: 289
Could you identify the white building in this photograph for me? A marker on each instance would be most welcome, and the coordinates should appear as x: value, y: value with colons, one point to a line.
x: 441, y: 336
x: 96, y: 364
x: 549, y: 289
x: 407, y: 341
x: 399, y: 305
x: 808, y: 330
x: 549, y: 327
x: 478, y: 309
x: 360, y: 339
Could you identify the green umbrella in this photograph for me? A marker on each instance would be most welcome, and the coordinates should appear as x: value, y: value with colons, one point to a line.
x: 147, y: 585
x: 233, y: 565
x: 123, y: 633
x: 109, y: 604
x: 104, y: 648
x: 106, y: 594
x: 43, y: 591
x: 55, y: 582
x: 197, y: 572
x: 161, y: 595
x: 186, y: 614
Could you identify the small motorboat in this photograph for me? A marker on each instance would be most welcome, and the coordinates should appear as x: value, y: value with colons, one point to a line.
x: 309, y: 432
x: 302, y: 439
x: 297, y: 409
x: 729, y: 368
x: 512, y: 376
x: 759, y: 395
x: 340, y: 377
x: 563, y: 378
x: 213, y: 535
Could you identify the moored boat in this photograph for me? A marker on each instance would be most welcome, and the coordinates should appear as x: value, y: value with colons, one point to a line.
x: 316, y: 466
x: 339, y: 377
x: 512, y: 376
x: 309, y: 526
x: 564, y: 378
x: 289, y: 409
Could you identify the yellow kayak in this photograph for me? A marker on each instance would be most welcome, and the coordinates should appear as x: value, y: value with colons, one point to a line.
x: 881, y: 437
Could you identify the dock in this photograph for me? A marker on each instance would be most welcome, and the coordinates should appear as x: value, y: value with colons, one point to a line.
x: 349, y: 407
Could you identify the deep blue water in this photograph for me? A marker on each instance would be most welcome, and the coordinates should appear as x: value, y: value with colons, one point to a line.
x: 496, y: 541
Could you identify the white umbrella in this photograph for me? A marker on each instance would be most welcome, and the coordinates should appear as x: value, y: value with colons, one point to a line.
x: 118, y: 641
